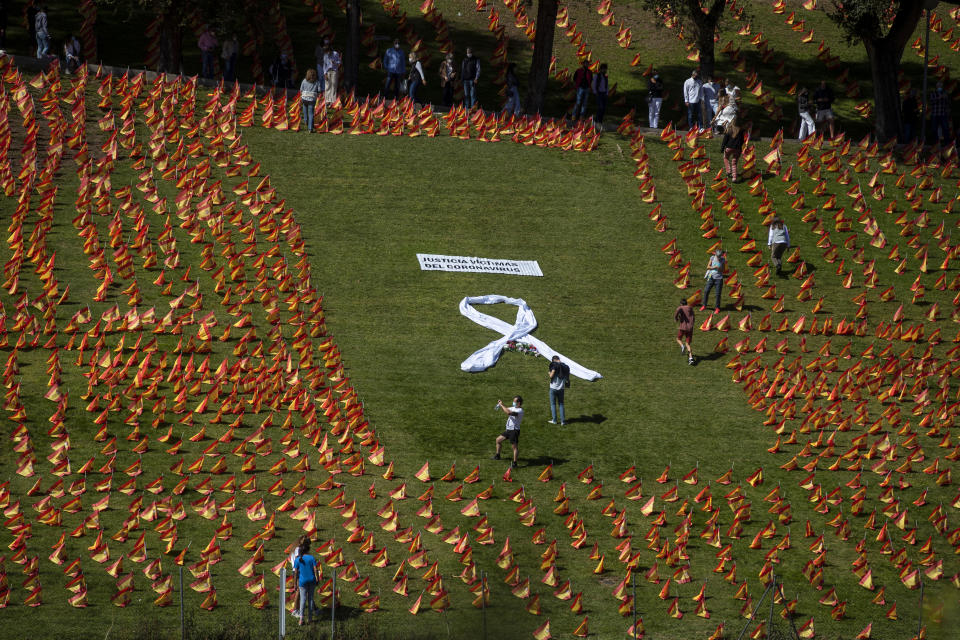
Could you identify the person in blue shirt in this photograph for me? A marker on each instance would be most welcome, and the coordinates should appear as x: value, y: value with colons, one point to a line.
x: 306, y: 575
x: 395, y: 64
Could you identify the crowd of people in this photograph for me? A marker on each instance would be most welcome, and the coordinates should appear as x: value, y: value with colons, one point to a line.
x: 708, y: 103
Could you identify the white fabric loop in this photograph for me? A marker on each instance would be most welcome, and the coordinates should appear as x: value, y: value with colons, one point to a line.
x: 483, y: 359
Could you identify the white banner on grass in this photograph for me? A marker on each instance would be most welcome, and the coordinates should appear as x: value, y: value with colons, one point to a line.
x: 468, y: 264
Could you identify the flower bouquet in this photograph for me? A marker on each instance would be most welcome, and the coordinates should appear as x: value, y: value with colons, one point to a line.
x: 522, y: 348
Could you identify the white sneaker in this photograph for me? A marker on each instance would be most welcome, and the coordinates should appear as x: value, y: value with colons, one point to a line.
x: 551, y: 422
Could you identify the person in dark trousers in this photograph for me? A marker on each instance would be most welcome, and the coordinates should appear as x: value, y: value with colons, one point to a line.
x: 684, y: 318
x: 714, y: 278
x: 582, y: 81
x: 732, y: 146
x: 909, y: 116
x: 823, y: 98
x: 654, y: 100
x: 395, y: 64
x: 940, y: 115
x: 448, y: 76
x: 280, y: 72
x: 470, y: 75
x: 512, y: 430
x: 513, y: 91
x: 559, y: 376
x: 778, y: 239
x: 600, y: 86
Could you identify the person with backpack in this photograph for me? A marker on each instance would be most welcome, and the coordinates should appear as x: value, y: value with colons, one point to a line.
x: 470, y: 74
x: 306, y: 575
x: 559, y: 376
x: 582, y: 80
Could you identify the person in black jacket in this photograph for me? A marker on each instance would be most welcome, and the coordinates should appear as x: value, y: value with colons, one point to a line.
x: 654, y: 100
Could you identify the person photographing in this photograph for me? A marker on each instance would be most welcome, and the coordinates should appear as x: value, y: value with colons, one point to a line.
x: 559, y: 375
x: 512, y: 430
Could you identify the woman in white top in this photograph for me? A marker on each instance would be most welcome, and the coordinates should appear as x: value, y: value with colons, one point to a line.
x: 309, y: 89
x: 416, y: 77
x: 778, y: 239
x: 726, y: 114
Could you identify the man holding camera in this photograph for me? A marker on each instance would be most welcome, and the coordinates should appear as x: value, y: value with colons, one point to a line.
x: 512, y: 431
x: 559, y: 374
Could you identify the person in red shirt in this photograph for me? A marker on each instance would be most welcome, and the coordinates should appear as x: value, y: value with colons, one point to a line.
x: 684, y: 317
x: 582, y: 82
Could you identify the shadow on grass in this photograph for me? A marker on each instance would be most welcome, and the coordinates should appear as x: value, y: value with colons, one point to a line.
x: 597, y: 418
x: 542, y: 461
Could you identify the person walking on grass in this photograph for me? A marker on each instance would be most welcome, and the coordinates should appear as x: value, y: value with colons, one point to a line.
x: 692, y: 93
x: 416, y: 77
x: 330, y: 82
x: 732, y: 146
x: 306, y: 575
x: 939, y: 115
x: 512, y: 107
x: 207, y: 44
x: 229, y: 53
x: 582, y: 80
x: 684, y: 317
x: 710, y: 99
x: 807, y: 125
x: 309, y: 90
x: 470, y: 75
x: 823, y: 98
x: 778, y: 239
x: 395, y: 64
x: 512, y: 431
x: 42, y: 31
x: 559, y: 376
x: 600, y: 86
x: 654, y: 100
x: 714, y: 278
x: 448, y: 76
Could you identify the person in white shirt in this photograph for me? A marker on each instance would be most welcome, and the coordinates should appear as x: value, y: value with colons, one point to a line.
x: 727, y: 112
x: 692, y: 93
x: 732, y: 90
x: 778, y: 239
x: 512, y: 431
x: 331, y: 73
x: 710, y: 99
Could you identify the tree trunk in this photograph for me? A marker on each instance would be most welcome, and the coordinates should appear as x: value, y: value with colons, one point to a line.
x: 884, y: 63
x: 542, y: 54
x: 171, y: 42
x: 705, y: 42
x: 705, y: 25
x: 351, y: 65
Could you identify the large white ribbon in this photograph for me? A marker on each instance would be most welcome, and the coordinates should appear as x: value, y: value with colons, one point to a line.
x: 483, y: 359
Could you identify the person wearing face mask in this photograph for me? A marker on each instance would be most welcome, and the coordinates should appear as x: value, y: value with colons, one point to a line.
x: 512, y: 431
x: 395, y: 63
x: 940, y: 114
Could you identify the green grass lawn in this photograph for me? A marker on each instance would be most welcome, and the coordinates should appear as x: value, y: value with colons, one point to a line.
x: 366, y: 205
